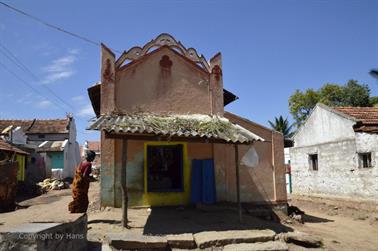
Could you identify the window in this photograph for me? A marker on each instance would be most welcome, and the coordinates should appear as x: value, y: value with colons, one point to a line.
x: 165, y: 168
x: 41, y: 136
x: 313, y: 161
x: 364, y: 160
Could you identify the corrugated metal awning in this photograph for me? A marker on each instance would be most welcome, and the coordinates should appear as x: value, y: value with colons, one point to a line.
x: 194, y: 125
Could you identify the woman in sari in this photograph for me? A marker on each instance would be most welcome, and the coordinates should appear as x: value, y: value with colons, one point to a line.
x: 80, y: 185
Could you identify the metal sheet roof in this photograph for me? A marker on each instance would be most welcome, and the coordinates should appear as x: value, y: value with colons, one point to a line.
x: 194, y: 125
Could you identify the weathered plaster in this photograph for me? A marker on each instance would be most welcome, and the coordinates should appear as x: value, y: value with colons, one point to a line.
x: 338, y: 172
x: 146, y: 86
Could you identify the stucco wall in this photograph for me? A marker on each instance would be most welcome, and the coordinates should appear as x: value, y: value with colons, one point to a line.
x: 338, y: 173
x: 331, y: 136
x: 264, y: 183
x: 135, y: 170
x: 146, y: 86
x: 324, y: 126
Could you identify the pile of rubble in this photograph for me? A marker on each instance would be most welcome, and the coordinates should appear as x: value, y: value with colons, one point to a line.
x: 52, y: 184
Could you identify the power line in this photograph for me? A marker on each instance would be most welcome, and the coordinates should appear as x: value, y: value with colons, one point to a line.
x: 54, y: 26
x: 29, y: 85
x: 23, y: 67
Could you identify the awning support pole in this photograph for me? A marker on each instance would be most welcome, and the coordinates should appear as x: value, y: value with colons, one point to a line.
x: 238, y: 182
x: 125, y: 199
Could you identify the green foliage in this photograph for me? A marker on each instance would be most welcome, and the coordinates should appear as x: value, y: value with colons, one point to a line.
x: 356, y: 94
x: 373, y: 101
x: 350, y: 94
x: 282, y: 125
x: 301, y: 104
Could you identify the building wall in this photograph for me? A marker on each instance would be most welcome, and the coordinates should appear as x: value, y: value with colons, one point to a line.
x: 338, y: 172
x: 136, y: 173
x: 262, y: 184
x: 324, y: 126
x: 146, y: 86
x: 48, y: 136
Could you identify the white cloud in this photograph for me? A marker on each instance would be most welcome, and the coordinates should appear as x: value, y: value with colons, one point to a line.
x: 44, y: 104
x: 86, y: 111
x: 60, y: 68
x: 78, y: 99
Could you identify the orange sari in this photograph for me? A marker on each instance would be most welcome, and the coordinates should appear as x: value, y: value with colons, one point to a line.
x: 80, y: 187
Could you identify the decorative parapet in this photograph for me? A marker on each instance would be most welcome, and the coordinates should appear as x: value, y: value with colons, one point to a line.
x: 163, y: 39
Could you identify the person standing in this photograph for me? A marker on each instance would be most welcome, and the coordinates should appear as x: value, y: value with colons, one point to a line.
x: 80, y: 185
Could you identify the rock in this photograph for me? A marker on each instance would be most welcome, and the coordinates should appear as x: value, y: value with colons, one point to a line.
x: 259, y: 246
x: 183, y: 241
x: 222, y: 238
x: 131, y: 241
x: 300, y: 238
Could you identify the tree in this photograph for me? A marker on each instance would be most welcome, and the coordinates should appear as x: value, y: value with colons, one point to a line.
x: 301, y: 104
x: 356, y: 94
x: 282, y: 125
x: 350, y: 94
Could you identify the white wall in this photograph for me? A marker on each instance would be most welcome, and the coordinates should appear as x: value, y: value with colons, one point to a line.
x: 71, y: 152
x: 324, y: 126
x: 337, y: 145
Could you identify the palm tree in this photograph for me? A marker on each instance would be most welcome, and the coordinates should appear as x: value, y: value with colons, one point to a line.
x: 282, y: 125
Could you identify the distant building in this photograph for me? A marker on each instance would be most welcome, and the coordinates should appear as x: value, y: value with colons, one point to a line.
x: 52, y: 143
x: 335, y: 153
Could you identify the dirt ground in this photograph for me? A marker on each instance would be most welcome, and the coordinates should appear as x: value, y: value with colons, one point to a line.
x: 341, y: 225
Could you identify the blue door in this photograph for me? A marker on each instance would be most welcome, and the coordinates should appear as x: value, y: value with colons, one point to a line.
x: 203, y: 182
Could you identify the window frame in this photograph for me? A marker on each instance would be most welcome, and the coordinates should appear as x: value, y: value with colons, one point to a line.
x: 182, y: 166
x: 311, y: 161
x: 361, y: 160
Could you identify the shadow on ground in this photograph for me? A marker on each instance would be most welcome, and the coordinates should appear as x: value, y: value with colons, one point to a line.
x: 104, y: 221
x: 315, y: 219
x: 168, y: 220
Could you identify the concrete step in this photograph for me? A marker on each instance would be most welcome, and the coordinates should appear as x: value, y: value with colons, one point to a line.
x: 258, y: 246
x: 136, y: 241
x: 222, y: 238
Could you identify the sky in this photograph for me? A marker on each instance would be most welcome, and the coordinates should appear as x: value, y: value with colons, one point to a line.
x: 269, y: 49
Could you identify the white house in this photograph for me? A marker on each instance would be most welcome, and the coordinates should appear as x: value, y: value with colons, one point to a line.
x: 335, y: 153
x: 52, y: 142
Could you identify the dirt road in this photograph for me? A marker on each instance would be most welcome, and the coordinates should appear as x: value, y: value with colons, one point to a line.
x: 342, y: 226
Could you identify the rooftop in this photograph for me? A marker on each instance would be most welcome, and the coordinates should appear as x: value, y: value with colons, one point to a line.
x: 170, y: 125
x: 366, y: 117
x: 34, y: 126
x: 4, y: 146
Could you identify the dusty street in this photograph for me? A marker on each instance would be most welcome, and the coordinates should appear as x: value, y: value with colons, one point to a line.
x: 344, y: 228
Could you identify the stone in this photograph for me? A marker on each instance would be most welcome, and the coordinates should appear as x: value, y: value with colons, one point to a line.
x: 300, y: 238
x: 258, y: 246
x: 47, y: 236
x: 222, y: 238
x: 131, y: 241
x: 182, y: 241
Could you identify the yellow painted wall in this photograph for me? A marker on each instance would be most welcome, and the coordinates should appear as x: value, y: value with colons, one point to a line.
x: 21, y: 167
x: 168, y: 198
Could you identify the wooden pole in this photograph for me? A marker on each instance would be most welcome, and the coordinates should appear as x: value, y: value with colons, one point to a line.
x: 238, y: 182
x: 125, y: 199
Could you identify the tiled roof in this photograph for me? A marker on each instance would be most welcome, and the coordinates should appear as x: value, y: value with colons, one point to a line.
x: 366, y: 117
x: 38, y: 125
x: 9, y: 148
x: 192, y: 126
x: 94, y: 146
